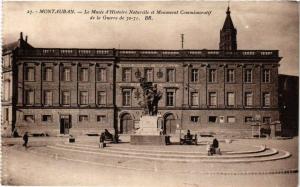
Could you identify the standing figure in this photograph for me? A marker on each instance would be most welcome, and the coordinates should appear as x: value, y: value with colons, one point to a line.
x: 102, y: 137
x: 149, y: 101
x: 25, y: 138
x: 151, y: 97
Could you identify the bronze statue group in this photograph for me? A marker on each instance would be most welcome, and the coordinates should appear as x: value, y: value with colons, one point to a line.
x: 151, y: 97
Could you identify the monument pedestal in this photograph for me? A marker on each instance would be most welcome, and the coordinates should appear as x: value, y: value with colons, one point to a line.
x: 149, y: 132
x: 149, y: 139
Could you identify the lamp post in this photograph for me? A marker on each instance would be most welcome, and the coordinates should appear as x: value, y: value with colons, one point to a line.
x: 258, y: 121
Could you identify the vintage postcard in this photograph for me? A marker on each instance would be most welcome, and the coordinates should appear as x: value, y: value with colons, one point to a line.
x: 173, y: 93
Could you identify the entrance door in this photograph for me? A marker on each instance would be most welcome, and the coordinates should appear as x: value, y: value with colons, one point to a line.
x: 126, y: 125
x: 169, y: 124
x: 65, y: 124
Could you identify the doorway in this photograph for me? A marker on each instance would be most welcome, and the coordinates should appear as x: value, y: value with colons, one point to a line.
x: 169, y: 124
x: 126, y: 124
x: 65, y: 124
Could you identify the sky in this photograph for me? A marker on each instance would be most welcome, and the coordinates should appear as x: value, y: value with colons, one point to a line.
x: 260, y: 25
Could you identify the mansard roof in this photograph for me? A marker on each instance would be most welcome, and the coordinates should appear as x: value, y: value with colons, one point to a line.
x: 10, y: 46
x: 21, y: 43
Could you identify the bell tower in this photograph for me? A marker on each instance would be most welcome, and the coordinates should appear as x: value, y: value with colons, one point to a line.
x: 228, y: 34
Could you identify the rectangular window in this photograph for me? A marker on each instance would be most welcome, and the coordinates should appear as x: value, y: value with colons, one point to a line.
x: 84, y: 98
x: 248, y: 119
x: 266, y: 99
x: 248, y: 99
x: 126, y: 97
x: 212, y: 119
x: 83, y: 118
x: 29, y: 97
x: 248, y: 76
x: 194, y: 119
x: 170, y: 98
x: 46, y: 118
x: 194, y: 75
x: 101, y: 98
x: 48, y: 74
x: 30, y: 74
x: 29, y: 118
x: 126, y: 75
x: 6, y: 115
x: 266, y: 75
x: 7, y: 91
x: 48, y: 98
x: 212, y: 75
x: 267, y: 120
x: 66, y: 76
x: 101, y: 74
x: 101, y: 118
x: 230, y: 99
x: 170, y: 75
x: 194, y: 99
x: 230, y: 76
x: 7, y: 61
x: 84, y: 74
x: 66, y: 96
x: 212, y: 99
x: 149, y: 75
x: 230, y: 119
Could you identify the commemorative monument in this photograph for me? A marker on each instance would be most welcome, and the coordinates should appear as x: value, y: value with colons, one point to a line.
x: 150, y: 128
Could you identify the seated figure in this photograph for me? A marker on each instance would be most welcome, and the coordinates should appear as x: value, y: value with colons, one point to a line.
x: 188, y: 134
x: 108, y: 135
x: 215, y: 147
x: 215, y: 143
x: 188, y: 138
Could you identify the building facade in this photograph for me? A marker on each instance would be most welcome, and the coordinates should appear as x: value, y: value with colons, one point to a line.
x: 288, y: 92
x: 81, y: 91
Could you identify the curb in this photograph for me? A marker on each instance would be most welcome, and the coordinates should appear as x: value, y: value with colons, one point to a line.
x: 272, y: 172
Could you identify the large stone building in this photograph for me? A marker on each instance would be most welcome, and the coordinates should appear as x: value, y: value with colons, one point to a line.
x: 288, y: 102
x: 79, y: 91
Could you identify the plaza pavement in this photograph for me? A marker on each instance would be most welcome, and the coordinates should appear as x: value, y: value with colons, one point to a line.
x: 40, y: 165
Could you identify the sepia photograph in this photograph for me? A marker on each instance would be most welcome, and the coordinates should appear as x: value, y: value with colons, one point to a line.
x: 161, y: 93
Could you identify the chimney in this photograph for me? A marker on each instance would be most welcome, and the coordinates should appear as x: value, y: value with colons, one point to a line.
x: 26, y: 37
x: 21, y: 35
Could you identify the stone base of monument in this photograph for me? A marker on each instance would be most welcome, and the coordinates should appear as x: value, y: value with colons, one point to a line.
x: 149, y: 140
x: 148, y: 126
x: 149, y: 132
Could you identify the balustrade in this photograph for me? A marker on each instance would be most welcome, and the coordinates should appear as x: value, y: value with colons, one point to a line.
x: 149, y: 53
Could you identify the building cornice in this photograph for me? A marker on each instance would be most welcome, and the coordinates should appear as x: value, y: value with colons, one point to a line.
x: 139, y: 53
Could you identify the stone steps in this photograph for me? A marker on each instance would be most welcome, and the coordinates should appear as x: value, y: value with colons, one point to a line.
x: 170, y: 153
x: 266, y: 155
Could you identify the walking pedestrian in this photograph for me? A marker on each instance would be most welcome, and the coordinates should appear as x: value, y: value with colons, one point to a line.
x: 25, y: 138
